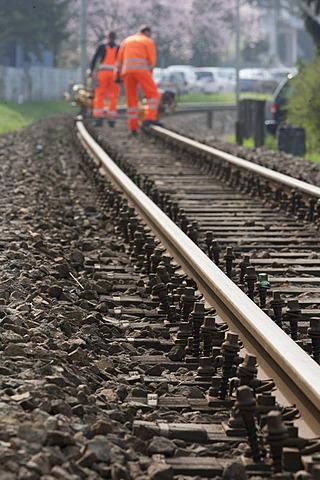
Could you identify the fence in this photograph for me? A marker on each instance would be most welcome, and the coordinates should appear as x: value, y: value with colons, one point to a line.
x: 36, y: 83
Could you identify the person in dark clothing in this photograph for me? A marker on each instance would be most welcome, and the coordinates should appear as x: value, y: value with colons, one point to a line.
x: 104, y: 60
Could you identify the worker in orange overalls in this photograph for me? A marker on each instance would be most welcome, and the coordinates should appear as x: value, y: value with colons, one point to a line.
x: 105, y: 58
x: 135, y: 62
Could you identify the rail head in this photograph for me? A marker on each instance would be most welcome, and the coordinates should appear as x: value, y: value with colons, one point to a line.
x: 292, y: 369
x: 183, y: 108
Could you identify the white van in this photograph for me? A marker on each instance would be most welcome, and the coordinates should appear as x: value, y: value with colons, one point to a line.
x: 183, y: 75
x: 157, y: 74
x: 216, y: 79
x: 257, y: 80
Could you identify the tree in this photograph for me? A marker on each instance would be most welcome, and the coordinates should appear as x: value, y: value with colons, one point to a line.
x: 192, y: 31
x: 211, y: 28
x: 304, y: 102
x: 168, y: 19
x: 35, y: 24
x: 310, y: 11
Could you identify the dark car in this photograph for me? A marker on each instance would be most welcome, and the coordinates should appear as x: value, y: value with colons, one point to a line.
x: 278, y: 105
x: 256, y: 80
x: 290, y: 139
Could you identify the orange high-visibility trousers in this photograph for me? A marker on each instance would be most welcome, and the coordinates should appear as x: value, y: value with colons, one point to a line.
x: 106, y: 88
x: 150, y: 91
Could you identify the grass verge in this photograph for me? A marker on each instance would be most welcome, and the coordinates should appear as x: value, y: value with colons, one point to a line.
x: 14, y: 116
x: 222, y: 97
x: 207, y: 98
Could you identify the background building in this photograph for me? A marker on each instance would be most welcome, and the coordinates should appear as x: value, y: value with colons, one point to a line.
x: 287, y: 38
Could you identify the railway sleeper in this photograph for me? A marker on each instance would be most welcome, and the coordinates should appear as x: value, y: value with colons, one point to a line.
x: 266, y: 459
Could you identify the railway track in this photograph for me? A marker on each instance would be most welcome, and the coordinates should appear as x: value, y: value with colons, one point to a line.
x: 197, y: 190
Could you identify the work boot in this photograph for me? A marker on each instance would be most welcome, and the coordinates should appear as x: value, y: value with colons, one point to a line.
x: 98, y: 122
x: 147, y: 123
x: 133, y: 133
x: 111, y: 123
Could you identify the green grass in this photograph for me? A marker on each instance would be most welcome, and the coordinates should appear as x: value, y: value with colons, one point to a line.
x: 247, y: 142
x: 256, y: 96
x: 207, y: 98
x: 271, y: 143
x: 222, y: 97
x: 14, y: 116
x: 313, y: 156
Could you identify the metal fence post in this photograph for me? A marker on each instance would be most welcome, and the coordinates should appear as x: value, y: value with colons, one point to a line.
x: 209, y: 119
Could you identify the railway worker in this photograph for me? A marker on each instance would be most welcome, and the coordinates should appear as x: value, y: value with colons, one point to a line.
x: 136, y: 59
x: 105, y: 59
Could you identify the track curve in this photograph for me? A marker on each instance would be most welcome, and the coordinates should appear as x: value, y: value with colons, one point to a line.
x: 295, y: 373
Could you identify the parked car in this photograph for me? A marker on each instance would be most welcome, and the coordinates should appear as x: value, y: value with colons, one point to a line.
x: 215, y: 80
x: 281, y: 73
x: 278, y: 105
x: 182, y: 75
x: 206, y: 81
x: 256, y: 80
x: 169, y: 91
x: 157, y: 74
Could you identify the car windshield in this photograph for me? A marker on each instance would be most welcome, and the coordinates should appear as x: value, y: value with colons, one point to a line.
x: 279, y: 76
x: 173, y: 77
x: 201, y: 75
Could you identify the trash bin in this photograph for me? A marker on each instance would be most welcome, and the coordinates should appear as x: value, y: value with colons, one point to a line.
x: 291, y: 140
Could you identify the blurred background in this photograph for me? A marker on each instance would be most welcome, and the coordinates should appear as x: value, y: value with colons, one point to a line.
x: 208, y: 51
x: 46, y: 44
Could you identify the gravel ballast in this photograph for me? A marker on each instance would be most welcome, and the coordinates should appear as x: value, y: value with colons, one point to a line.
x: 63, y: 409
x: 194, y: 125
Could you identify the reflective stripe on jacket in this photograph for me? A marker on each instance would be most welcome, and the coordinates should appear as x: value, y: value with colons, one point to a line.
x: 137, y: 52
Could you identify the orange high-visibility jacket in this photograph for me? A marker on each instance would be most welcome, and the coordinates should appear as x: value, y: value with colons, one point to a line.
x: 105, y: 56
x: 110, y: 58
x: 136, y: 53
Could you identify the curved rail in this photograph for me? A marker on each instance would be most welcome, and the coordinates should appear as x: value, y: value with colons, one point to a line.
x: 294, y: 372
x: 268, y: 174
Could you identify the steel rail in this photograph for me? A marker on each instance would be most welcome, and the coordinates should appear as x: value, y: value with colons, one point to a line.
x: 194, y: 108
x: 293, y: 370
x: 183, y: 108
x: 268, y: 174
